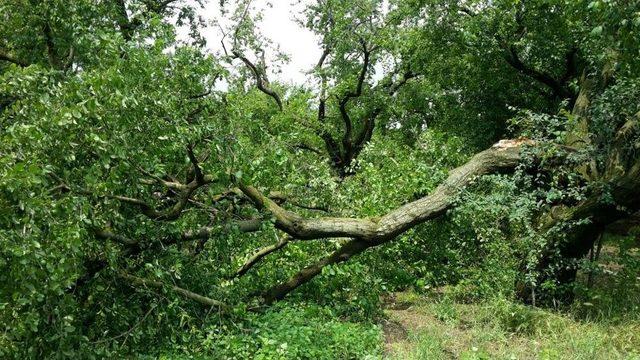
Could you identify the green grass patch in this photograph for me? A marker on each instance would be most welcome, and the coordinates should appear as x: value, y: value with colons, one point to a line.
x: 499, y: 329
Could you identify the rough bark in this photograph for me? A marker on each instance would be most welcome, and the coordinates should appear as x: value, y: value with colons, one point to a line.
x: 366, y: 233
x: 344, y: 253
x: 504, y: 155
x: 592, y: 216
x: 579, y: 239
x: 9, y: 58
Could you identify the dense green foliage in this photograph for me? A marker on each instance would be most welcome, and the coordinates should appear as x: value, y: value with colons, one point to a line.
x: 124, y: 149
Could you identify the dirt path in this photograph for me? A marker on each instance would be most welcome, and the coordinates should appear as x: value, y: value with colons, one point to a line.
x: 403, y: 319
x: 413, y: 330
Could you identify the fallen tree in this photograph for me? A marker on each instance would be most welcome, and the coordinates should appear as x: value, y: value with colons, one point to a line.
x: 367, y: 233
x: 360, y: 234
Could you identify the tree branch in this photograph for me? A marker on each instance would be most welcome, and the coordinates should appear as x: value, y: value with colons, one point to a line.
x: 174, y: 185
x: 369, y: 233
x: 394, y: 87
x: 51, y: 48
x: 124, y: 23
x: 571, y: 68
x: 196, y: 167
x: 109, y: 235
x: 169, y: 214
x: 514, y: 60
x: 323, y: 57
x: 366, y: 133
x: 138, y: 281
x: 127, y: 25
x: 346, y: 139
x: 6, y: 57
x: 502, y: 156
x: 307, y: 147
x: 323, y: 85
x: 344, y: 253
x: 260, y: 254
x: 261, y: 79
x: 201, y: 95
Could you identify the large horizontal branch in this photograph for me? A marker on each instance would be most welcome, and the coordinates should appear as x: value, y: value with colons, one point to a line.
x: 366, y: 233
x: 502, y: 156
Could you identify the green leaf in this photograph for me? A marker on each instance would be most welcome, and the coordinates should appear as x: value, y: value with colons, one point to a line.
x: 597, y: 30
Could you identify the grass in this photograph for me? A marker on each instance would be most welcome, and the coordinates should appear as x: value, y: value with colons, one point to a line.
x: 603, y: 323
x: 441, y: 329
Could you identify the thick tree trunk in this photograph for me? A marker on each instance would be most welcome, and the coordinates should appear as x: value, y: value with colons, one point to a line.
x: 579, y: 239
x: 558, y: 262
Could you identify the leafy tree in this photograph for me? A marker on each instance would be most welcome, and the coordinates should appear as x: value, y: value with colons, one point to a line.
x: 130, y: 182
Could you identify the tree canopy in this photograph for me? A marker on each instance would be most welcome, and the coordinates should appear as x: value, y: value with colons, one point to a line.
x: 141, y: 173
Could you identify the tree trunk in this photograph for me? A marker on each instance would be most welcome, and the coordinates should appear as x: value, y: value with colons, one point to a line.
x: 579, y: 239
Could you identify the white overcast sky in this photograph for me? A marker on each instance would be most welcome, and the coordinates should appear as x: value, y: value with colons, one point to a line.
x: 279, y: 26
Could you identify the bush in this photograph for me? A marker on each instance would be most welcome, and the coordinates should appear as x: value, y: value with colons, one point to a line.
x: 291, y: 332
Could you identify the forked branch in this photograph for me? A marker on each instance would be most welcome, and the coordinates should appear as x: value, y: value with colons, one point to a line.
x: 366, y: 233
x: 504, y: 155
x: 262, y: 82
